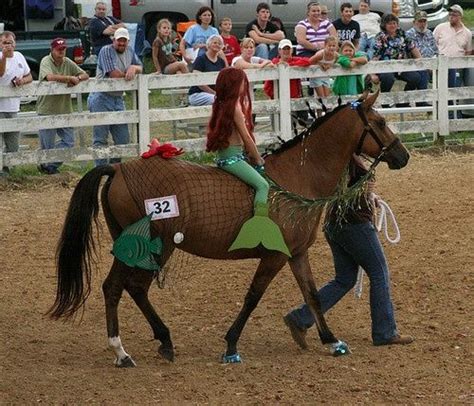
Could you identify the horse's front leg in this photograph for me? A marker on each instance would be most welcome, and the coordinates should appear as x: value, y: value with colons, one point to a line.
x: 113, y: 287
x: 266, y: 271
x: 301, y: 269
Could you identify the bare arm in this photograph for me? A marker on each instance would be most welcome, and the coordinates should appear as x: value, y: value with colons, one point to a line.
x: 247, y: 140
x: 261, y: 38
x: 416, y: 53
x: 205, y: 88
x: 3, y: 65
x: 300, y: 33
x: 110, y: 30
x: 360, y: 60
x: 67, y: 79
x: 154, y: 56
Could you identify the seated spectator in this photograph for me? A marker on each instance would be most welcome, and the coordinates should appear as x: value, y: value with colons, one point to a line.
x: 57, y: 67
x: 424, y: 40
x: 196, y: 36
x: 231, y: 43
x: 285, y: 55
x: 265, y: 34
x: 347, y: 29
x: 102, y: 27
x: 369, y: 23
x: 164, y: 58
x: 349, y: 58
x: 312, y: 32
x: 325, y: 58
x: 209, y: 62
x: 247, y: 58
x: 391, y: 43
x: 277, y: 21
x: 324, y: 12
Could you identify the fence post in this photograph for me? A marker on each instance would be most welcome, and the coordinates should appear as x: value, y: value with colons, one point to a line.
x: 443, y: 91
x: 143, y: 114
x: 1, y: 152
x: 285, y: 101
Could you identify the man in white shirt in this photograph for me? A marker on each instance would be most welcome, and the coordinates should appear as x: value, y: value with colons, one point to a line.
x: 14, y: 71
x: 369, y: 27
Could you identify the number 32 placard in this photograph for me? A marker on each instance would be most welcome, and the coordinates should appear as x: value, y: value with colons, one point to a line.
x: 162, y: 207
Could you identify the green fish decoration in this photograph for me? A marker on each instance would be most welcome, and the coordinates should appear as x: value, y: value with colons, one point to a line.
x: 135, y: 247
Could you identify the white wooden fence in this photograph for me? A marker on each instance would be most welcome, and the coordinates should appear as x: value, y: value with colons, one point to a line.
x: 141, y: 115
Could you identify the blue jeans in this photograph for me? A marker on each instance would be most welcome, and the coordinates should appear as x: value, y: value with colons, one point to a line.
x: 414, y: 80
x: 367, y: 45
x: 103, y: 102
x: 453, y: 81
x: 47, y: 140
x: 265, y: 51
x: 353, y: 245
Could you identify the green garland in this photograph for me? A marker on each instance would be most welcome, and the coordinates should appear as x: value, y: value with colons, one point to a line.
x: 344, y: 199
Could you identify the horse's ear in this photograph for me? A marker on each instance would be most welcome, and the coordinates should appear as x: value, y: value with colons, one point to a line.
x: 369, y: 100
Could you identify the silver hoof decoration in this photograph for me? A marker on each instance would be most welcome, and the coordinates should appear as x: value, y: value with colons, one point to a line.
x: 340, y: 348
x: 231, y: 359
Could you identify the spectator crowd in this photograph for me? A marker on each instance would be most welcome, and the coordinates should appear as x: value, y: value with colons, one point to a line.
x: 350, y: 40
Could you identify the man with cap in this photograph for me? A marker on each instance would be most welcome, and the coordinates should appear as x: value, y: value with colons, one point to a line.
x: 102, y: 27
x: 453, y: 39
x: 115, y: 61
x: 424, y: 40
x: 57, y: 67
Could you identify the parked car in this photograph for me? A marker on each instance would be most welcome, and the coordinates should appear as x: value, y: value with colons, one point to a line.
x: 35, y: 45
x: 148, y: 12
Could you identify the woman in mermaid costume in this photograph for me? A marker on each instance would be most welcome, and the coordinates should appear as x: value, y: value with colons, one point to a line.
x: 230, y: 135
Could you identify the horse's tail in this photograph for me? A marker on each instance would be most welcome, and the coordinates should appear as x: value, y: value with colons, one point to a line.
x: 76, y: 248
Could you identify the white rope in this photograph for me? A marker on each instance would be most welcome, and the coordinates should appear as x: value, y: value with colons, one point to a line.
x: 381, y: 223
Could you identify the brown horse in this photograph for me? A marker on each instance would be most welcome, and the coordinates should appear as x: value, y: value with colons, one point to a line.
x: 213, y: 205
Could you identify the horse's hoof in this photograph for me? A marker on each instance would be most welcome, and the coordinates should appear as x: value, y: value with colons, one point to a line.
x: 231, y: 359
x: 166, y: 353
x: 126, y: 362
x: 340, y: 348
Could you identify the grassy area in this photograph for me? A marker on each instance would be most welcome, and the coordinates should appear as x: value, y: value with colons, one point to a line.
x: 469, y: 18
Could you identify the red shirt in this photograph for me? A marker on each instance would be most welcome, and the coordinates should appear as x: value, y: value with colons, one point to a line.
x: 231, y: 48
x: 295, y: 84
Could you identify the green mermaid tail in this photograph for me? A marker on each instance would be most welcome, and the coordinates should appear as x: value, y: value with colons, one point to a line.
x: 260, y: 229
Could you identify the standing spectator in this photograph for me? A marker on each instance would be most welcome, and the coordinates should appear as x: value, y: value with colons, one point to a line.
x: 324, y: 12
x: 312, y: 31
x: 265, y: 34
x: 231, y: 43
x: 453, y: 39
x: 285, y: 56
x: 369, y: 23
x: 347, y: 29
x: 14, y: 71
x: 163, y: 55
x: 209, y: 62
x: 424, y: 40
x: 247, y: 58
x: 354, y: 242
x: 115, y: 61
x: 349, y: 58
x: 56, y: 67
x: 102, y: 27
x: 194, y: 41
x: 391, y: 44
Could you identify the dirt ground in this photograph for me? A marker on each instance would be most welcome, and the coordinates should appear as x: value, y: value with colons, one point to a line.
x: 48, y: 362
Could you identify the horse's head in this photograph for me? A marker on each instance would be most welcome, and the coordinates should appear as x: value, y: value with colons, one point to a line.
x: 377, y: 140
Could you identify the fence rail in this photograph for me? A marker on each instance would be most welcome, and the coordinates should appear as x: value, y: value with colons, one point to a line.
x: 142, y: 115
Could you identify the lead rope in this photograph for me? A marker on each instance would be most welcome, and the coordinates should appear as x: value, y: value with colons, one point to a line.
x: 380, y: 224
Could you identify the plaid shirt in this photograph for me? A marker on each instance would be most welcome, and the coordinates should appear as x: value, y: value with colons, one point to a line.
x: 424, y: 41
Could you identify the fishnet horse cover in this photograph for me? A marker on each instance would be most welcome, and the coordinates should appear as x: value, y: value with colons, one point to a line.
x: 212, y: 203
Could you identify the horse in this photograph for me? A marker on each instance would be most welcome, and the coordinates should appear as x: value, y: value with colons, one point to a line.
x: 213, y: 205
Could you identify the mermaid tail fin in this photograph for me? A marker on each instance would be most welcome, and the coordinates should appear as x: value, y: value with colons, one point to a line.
x: 260, y: 229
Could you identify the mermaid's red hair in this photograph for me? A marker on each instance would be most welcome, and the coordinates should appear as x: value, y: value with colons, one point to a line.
x: 222, y: 124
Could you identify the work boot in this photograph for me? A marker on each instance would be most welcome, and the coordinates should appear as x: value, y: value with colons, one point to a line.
x: 298, y: 334
x: 398, y: 339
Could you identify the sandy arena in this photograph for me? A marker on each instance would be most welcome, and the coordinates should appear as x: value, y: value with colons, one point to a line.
x: 48, y: 362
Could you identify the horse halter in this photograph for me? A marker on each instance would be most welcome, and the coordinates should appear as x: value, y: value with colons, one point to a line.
x: 368, y: 129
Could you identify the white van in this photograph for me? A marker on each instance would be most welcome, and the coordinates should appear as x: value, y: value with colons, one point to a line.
x: 289, y: 11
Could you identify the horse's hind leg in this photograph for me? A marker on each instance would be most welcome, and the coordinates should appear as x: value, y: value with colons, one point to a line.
x: 113, y: 287
x: 266, y: 271
x: 138, y: 287
x: 301, y: 269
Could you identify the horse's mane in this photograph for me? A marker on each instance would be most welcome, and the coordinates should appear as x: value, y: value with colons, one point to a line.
x: 305, y: 132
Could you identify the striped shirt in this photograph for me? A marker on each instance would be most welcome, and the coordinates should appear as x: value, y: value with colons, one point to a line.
x: 315, y: 36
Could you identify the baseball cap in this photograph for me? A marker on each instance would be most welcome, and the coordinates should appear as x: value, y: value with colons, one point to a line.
x: 421, y: 15
x: 58, y: 43
x: 121, y: 33
x: 457, y: 8
x: 285, y: 43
